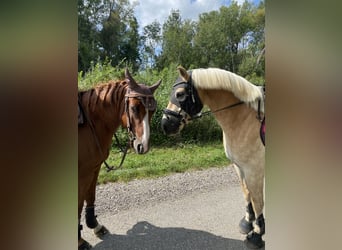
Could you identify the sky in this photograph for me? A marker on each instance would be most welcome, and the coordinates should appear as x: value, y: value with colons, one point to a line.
x: 148, y: 11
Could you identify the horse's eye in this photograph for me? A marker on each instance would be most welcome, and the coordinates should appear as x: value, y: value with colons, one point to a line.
x: 181, y: 96
x: 134, y: 109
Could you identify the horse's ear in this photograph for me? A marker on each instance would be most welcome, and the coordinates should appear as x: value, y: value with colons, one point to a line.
x: 183, y: 73
x: 155, y: 86
x: 131, y: 82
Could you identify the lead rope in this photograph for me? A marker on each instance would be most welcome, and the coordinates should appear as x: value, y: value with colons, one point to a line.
x: 108, y: 168
x: 123, y: 150
x: 131, y: 137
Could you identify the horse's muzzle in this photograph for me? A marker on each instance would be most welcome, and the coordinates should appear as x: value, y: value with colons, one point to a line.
x: 170, y: 124
x: 140, y: 147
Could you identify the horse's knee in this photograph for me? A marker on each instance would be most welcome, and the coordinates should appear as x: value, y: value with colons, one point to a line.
x: 90, y: 217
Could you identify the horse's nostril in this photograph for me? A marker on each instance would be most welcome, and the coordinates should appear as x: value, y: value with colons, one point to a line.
x: 140, y: 148
x: 164, y: 125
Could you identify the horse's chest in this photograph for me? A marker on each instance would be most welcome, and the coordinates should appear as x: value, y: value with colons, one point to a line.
x: 227, y: 148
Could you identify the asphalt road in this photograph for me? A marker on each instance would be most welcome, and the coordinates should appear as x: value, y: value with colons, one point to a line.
x: 200, y: 220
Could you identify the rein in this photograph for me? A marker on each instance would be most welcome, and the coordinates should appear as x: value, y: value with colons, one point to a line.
x: 218, y: 110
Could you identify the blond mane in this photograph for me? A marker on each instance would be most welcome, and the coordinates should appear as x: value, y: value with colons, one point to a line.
x: 213, y: 78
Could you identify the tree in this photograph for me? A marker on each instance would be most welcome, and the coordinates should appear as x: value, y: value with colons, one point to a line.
x: 88, y: 42
x: 253, y: 62
x: 208, y: 40
x: 119, y: 35
x: 107, y: 30
x: 151, y: 41
x: 177, y: 41
x: 220, y: 35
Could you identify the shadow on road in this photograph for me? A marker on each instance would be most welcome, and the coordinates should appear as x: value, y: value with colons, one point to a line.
x: 145, y: 236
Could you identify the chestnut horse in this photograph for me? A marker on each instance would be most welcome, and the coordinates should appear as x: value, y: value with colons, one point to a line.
x: 106, y: 107
x: 238, y: 106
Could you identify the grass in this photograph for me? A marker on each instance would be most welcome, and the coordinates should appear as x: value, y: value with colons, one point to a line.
x: 160, y: 161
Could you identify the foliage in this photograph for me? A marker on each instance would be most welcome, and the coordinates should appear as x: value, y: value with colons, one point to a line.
x: 99, y: 72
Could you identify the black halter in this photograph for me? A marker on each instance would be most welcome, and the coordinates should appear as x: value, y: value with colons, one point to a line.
x: 191, y: 105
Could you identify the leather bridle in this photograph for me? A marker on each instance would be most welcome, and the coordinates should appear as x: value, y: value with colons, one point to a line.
x: 148, y: 101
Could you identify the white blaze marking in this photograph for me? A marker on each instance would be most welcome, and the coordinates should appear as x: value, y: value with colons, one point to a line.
x: 146, y: 134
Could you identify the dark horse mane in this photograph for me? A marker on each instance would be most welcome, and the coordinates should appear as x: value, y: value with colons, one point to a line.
x: 104, y: 94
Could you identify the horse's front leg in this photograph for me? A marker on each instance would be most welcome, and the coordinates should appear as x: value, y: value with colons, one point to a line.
x: 252, y: 223
x: 255, y: 185
x: 246, y: 223
x: 90, y: 216
x: 82, y: 244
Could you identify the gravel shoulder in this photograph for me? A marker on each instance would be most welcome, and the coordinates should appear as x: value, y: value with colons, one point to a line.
x: 116, y: 197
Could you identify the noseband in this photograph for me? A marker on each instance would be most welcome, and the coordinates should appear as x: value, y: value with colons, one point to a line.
x: 147, y: 100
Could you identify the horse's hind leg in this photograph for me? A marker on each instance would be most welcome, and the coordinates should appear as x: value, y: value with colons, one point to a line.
x: 90, y: 216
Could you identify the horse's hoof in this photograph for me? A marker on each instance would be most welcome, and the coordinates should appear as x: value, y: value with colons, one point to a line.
x: 102, y: 231
x: 254, y: 241
x: 84, y: 246
x: 245, y: 226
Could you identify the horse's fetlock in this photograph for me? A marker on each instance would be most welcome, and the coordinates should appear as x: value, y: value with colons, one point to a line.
x: 260, y: 224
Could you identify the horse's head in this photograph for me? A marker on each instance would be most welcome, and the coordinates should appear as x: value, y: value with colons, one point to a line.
x: 139, y: 108
x: 183, y: 106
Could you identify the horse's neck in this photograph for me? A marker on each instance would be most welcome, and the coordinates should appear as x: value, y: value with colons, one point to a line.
x: 229, y: 118
x: 105, y: 110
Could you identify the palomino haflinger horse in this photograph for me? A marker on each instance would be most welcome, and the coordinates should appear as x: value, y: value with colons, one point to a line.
x: 104, y: 108
x: 238, y: 106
